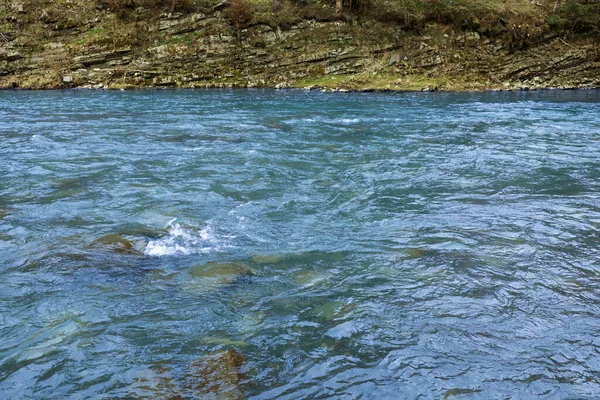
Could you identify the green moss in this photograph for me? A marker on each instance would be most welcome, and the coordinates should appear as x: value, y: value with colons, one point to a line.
x: 187, y: 38
x: 113, y: 33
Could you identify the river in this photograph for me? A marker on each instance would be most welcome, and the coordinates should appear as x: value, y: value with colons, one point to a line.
x: 359, y: 245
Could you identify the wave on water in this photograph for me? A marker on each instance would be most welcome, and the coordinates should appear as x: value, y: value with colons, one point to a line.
x: 182, y: 240
x: 329, y: 120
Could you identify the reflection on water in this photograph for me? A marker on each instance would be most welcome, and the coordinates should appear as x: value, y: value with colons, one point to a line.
x: 288, y: 244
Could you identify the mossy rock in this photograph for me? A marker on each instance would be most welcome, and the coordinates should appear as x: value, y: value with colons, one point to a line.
x: 211, y: 277
x: 263, y: 259
x: 145, y: 232
x: 415, y: 253
x: 225, y: 342
x: 308, y: 278
x: 217, y: 376
x: 222, y: 272
x: 67, y: 183
x: 118, y: 243
x: 328, y: 311
x: 221, y: 269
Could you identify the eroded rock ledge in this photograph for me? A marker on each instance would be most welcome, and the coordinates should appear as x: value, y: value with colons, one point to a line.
x: 204, y: 50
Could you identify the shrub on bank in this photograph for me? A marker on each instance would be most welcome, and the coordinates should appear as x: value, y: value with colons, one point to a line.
x: 121, y: 7
x: 519, y: 22
x: 239, y: 13
x: 577, y: 17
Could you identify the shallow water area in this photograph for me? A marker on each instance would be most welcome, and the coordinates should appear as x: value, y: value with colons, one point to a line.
x: 301, y: 244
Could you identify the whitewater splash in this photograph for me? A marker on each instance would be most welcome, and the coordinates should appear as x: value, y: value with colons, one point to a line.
x: 183, y: 240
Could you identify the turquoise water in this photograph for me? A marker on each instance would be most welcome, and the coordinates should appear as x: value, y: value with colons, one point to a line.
x: 345, y: 245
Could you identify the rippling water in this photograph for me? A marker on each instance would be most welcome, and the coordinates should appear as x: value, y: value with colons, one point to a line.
x: 346, y: 246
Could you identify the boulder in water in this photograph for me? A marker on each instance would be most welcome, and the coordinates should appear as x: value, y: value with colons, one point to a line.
x: 48, y: 340
x: 67, y: 183
x: 308, y: 278
x: 145, y: 232
x: 224, y: 270
x: 222, y: 273
x: 267, y: 258
x: 225, y: 342
x: 120, y: 243
x: 214, y: 275
x: 217, y: 376
x: 413, y: 253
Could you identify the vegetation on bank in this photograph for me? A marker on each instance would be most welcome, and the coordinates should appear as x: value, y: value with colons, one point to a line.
x: 424, y: 43
x: 519, y: 22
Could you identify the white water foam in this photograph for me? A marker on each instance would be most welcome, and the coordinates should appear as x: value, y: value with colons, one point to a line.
x: 182, y: 240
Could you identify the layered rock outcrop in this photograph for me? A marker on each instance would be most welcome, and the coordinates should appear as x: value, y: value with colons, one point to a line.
x: 204, y: 49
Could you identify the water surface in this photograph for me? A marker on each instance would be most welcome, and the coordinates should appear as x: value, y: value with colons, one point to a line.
x: 416, y: 245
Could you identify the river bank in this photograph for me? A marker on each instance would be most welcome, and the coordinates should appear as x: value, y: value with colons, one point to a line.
x: 204, y: 50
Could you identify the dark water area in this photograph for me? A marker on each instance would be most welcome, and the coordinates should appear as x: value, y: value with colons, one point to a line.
x: 374, y: 246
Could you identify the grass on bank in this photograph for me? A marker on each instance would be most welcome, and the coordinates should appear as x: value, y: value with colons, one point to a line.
x: 117, y: 23
x: 389, y: 81
x: 520, y: 20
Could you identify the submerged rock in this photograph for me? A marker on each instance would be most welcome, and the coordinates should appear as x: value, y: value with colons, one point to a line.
x: 225, y: 342
x: 412, y: 253
x: 118, y: 243
x: 145, y: 232
x: 249, y: 323
x: 64, y: 188
x: 213, y: 276
x: 308, y: 278
x: 222, y: 273
x: 67, y: 183
x: 217, y: 376
x: 59, y: 259
x: 60, y: 194
x: 49, y: 340
x: 154, y: 383
x: 267, y: 258
x: 330, y: 312
x: 343, y: 330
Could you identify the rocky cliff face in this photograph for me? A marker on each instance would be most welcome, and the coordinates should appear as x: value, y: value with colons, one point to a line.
x: 204, y: 50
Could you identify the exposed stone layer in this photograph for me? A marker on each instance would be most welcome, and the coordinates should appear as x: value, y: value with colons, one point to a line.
x: 204, y: 50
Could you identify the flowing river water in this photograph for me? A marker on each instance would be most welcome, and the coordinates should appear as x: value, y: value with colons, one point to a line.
x: 364, y: 245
